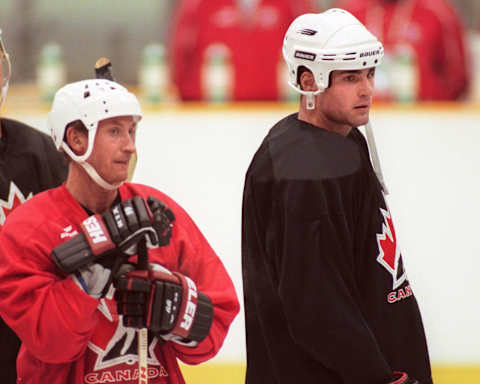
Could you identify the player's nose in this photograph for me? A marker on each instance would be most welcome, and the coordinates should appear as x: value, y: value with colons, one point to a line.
x: 365, y: 87
x: 129, y: 143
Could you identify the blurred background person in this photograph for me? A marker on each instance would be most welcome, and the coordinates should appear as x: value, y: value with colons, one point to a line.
x: 29, y: 163
x: 426, y: 54
x: 215, y: 45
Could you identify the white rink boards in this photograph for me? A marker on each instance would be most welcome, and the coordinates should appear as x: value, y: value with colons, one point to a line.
x: 431, y: 163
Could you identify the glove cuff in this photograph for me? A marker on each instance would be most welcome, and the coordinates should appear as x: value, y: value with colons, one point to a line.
x: 203, y: 318
x: 73, y: 254
x: 188, y: 306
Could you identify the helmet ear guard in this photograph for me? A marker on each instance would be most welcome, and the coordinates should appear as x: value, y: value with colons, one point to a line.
x: 325, y: 42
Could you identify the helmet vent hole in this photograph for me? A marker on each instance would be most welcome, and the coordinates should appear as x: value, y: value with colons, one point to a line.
x: 364, y: 63
x: 86, y: 94
x: 106, y: 110
x: 376, y: 61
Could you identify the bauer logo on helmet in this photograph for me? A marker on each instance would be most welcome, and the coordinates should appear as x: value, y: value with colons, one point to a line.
x: 371, y: 53
x: 305, y: 55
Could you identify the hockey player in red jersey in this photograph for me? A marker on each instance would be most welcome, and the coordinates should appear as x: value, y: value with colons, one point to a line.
x: 327, y: 299
x: 29, y: 164
x: 62, y: 249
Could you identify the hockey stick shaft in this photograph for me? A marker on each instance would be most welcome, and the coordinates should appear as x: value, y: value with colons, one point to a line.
x: 103, y: 69
x: 374, y: 156
x: 142, y: 264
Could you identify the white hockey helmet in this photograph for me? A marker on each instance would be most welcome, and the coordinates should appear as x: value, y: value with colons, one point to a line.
x: 6, y: 70
x: 328, y: 41
x: 89, y: 101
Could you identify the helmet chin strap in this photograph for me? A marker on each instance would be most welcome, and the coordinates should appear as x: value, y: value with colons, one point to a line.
x: 310, y: 95
x: 310, y: 100
x: 82, y: 160
x: 96, y: 177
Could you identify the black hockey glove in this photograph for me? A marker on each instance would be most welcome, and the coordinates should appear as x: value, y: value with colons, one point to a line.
x: 165, y: 302
x: 111, y: 238
x: 128, y: 222
x: 402, y: 378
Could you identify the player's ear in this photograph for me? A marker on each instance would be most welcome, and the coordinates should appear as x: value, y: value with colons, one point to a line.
x: 307, y: 81
x: 76, y: 138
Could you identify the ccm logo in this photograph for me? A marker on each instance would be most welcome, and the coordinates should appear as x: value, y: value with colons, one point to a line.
x: 191, y: 305
x: 94, y: 230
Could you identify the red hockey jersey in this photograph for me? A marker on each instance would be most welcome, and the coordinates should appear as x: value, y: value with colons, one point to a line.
x: 68, y: 336
x: 427, y: 33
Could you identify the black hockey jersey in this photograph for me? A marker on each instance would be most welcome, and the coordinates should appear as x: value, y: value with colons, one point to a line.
x: 327, y: 299
x: 29, y: 164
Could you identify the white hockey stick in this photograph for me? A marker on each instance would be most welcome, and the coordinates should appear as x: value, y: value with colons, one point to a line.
x: 142, y: 356
x: 142, y: 264
x: 374, y: 156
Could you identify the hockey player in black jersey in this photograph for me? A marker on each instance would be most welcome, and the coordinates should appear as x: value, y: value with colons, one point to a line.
x: 327, y: 299
x: 29, y: 163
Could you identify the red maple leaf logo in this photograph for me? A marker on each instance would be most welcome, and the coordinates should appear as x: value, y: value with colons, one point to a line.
x: 15, y: 199
x: 389, y: 255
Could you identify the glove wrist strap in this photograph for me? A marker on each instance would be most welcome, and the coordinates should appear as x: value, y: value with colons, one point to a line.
x: 188, y: 307
x: 203, y: 318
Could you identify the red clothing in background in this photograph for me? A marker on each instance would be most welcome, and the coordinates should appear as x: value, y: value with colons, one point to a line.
x: 253, y: 35
x: 433, y: 31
